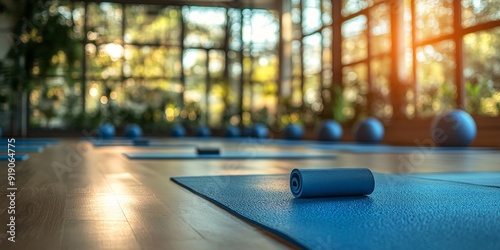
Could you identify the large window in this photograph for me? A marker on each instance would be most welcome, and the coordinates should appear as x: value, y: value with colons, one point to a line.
x: 449, y: 48
x: 158, y: 65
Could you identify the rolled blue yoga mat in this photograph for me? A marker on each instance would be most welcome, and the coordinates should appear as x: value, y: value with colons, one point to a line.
x: 307, y: 183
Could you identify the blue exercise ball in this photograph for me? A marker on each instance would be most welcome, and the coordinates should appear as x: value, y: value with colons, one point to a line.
x: 107, y: 131
x: 330, y: 130
x: 293, y: 132
x: 260, y: 131
x: 178, y: 131
x: 133, y: 131
x: 232, y: 131
x: 453, y: 129
x: 369, y: 130
x: 203, y: 132
x: 1, y: 132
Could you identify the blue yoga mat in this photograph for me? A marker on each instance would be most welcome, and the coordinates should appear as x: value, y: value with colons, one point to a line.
x: 21, y: 148
x: 226, y: 156
x: 403, y: 212
x: 148, y: 144
x: 491, y: 179
x: 378, y: 148
x: 17, y: 157
x: 32, y: 142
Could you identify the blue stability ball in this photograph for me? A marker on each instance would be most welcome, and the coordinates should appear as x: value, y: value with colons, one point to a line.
x: 293, y: 132
x: 330, y: 130
x: 369, y: 130
x: 1, y: 132
x: 203, y: 132
x: 133, y: 131
x: 232, y: 131
x: 107, y: 131
x: 453, y: 129
x: 178, y: 131
x: 260, y: 130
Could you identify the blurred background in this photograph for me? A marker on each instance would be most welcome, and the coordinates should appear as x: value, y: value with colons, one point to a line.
x: 70, y: 65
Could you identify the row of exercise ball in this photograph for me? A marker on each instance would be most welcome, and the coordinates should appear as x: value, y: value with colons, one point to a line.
x: 133, y: 131
x: 452, y: 129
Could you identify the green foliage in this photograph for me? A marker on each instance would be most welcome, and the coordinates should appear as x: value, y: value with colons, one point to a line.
x: 338, y: 104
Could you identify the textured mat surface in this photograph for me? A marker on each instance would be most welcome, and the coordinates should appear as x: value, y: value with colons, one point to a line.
x: 403, y: 212
x: 227, y: 155
x: 17, y: 157
x: 491, y: 179
x: 364, y: 149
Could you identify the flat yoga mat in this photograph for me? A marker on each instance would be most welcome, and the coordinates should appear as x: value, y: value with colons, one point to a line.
x: 377, y: 148
x: 226, y: 156
x: 491, y: 179
x: 32, y: 142
x: 103, y: 143
x: 403, y: 212
x: 21, y: 148
x: 17, y: 157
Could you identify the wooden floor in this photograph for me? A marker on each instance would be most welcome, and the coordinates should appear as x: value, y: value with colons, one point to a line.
x: 75, y: 196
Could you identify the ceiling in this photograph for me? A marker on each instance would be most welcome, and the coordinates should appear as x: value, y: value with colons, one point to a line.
x: 258, y: 4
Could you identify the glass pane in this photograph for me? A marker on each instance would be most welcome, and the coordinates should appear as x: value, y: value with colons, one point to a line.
x: 152, y: 24
x: 433, y: 18
x: 217, y: 63
x: 264, y: 101
x: 102, y: 93
x: 218, y: 98
x: 476, y: 12
x: 482, y: 72
x: 150, y: 100
x: 436, y: 78
x: 355, y: 90
x: 380, y: 103
x: 353, y: 6
x: 355, y: 42
x: 55, y: 102
x: 205, y: 26
x: 195, y: 70
x: 232, y: 97
x: 327, y: 12
x: 78, y: 14
x: 149, y: 61
x: 296, y: 58
x: 141, y: 91
x: 380, y: 29
x: 327, y: 57
x: 296, y: 92
x: 312, y: 68
x: 261, y: 29
x: 104, y: 22
x: 235, y: 42
x: 219, y: 87
x: 265, y: 67
x: 311, y: 15
x: 104, y: 61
